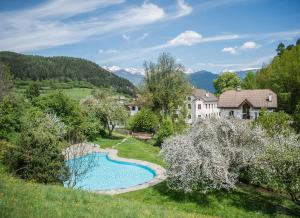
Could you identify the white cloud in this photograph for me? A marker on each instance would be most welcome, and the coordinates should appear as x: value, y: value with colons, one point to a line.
x: 109, y: 51
x: 230, y: 50
x: 184, y: 8
x: 142, y: 37
x: 126, y: 37
x: 186, y: 38
x: 45, y: 26
x: 249, y: 45
x: 237, y: 49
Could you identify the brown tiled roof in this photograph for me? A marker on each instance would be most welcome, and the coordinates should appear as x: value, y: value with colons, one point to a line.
x: 204, y: 94
x: 258, y: 98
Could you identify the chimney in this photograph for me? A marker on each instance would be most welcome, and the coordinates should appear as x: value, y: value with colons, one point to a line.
x: 269, y: 98
x: 238, y: 88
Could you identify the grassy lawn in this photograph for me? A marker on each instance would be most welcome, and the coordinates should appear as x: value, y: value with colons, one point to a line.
x: 77, y: 93
x: 132, y: 148
x: 246, y: 201
x: 21, y: 199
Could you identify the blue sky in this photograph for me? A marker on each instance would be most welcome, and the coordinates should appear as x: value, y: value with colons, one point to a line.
x: 214, y: 35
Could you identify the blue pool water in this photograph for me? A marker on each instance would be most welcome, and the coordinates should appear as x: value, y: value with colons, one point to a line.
x: 106, y: 174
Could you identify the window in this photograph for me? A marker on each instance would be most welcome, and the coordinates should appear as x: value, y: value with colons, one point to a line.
x: 189, y: 106
x: 133, y: 108
x: 199, y: 106
x: 231, y: 113
x: 206, y: 106
x: 189, y: 116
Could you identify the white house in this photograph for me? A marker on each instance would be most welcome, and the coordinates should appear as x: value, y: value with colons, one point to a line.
x: 201, y: 104
x: 133, y: 107
x: 246, y: 104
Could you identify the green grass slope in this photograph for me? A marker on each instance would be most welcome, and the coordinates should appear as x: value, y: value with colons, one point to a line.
x: 21, y: 199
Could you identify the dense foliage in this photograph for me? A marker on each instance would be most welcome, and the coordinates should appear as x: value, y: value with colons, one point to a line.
x: 211, y: 155
x: 5, y: 80
x: 278, y: 167
x: 32, y: 91
x: 282, y: 75
x: 275, y: 122
x: 37, y: 155
x: 144, y: 121
x: 11, y: 110
x: 249, y: 82
x: 226, y: 81
x: 78, y: 122
x: 63, y: 69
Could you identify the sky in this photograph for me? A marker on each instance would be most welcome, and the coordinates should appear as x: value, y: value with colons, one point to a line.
x: 213, y: 35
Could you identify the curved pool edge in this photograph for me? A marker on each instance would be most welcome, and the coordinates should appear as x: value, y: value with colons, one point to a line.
x: 158, y: 178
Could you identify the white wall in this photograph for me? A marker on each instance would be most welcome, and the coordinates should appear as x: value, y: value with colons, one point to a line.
x: 208, y: 109
x: 238, y: 112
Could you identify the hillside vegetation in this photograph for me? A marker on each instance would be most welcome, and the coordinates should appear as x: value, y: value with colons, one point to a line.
x: 63, y: 69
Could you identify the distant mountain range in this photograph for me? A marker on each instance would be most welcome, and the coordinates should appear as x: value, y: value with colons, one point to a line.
x: 201, y: 79
x: 134, y: 75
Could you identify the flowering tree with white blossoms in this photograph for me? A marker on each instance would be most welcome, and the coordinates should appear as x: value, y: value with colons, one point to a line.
x: 279, y: 166
x: 211, y: 155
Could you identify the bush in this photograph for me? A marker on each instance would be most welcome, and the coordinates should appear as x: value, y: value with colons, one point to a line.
x: 11, y: 109
x: 38, y: 154
x: 32, y: 91
x: 275, y: 122
x: 212, y: 154
x: 144, y: 121
x: 77, y: 121
x: 165, y: 130
x: 5, y: 146
x: 297, y: 118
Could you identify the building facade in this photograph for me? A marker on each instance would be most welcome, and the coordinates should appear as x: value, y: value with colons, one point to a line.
x: 246, y: 104
x: 201, y: 104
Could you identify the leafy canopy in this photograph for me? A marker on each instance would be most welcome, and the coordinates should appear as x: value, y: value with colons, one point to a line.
x: 226, y: 81
x: 166, y: 85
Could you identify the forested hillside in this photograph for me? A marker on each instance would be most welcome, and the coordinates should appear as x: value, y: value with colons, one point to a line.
x: 282, y: 75
x: 63, y: 69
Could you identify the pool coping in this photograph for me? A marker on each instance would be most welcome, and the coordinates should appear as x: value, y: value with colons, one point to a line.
x: 113, y: 155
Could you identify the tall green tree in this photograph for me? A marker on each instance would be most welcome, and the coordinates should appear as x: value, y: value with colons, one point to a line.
x: 5, y: 79
x: 249, y: 82
x: 226, y: 81
x: 166, y: 85
x: 280, y: 49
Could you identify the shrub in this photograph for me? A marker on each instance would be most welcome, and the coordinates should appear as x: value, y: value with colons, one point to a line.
x: 297, y: 117
x: 144, y: 121
x: 275, y: 122
x: 11, y: 109
x: 279, y: 166
x: 77, y: 121
x: 38, y: 155
x: 212, y: 154
x: 32, y: 91
x: 165, y: 130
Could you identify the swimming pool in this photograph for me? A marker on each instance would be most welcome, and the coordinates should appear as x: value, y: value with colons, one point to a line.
x: 108, y: 174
